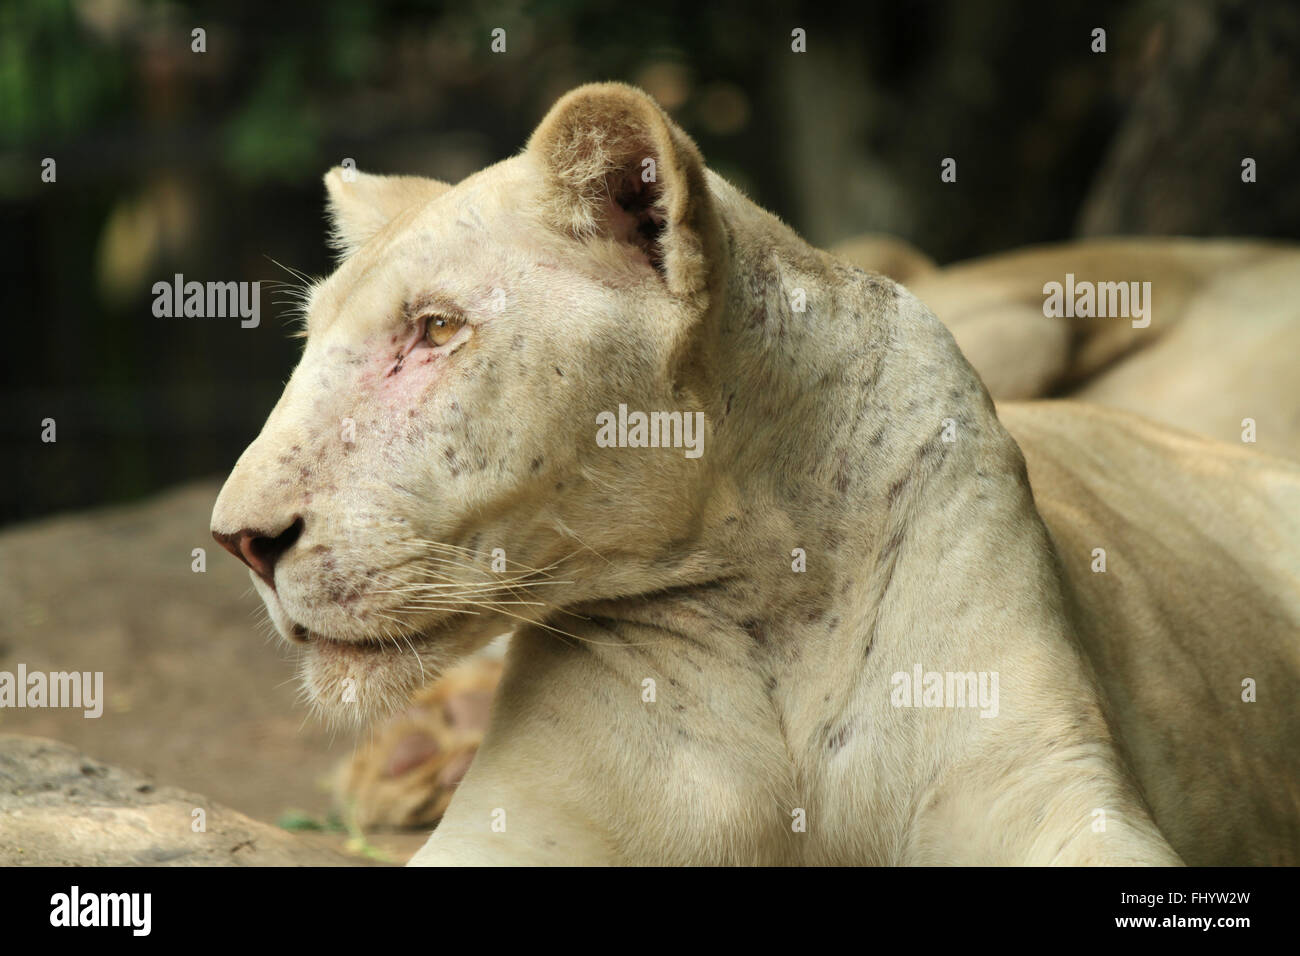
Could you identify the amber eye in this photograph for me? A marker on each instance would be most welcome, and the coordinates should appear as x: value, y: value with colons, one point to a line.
x: 439, y: 329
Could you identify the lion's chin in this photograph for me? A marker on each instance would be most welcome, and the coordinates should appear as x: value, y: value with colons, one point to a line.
x: 361, y: 682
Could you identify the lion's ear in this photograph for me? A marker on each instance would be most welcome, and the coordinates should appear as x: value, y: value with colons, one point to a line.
x: 360, y: 204
x: 617, y: 166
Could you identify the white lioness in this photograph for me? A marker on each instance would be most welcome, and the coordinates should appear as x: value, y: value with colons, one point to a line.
x: 841, y: 633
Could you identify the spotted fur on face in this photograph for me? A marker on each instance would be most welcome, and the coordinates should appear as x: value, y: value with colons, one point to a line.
x: 430, y: 475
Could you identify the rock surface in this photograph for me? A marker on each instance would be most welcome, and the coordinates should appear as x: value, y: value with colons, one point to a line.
x: 59, y: 807
x: 197, y: 694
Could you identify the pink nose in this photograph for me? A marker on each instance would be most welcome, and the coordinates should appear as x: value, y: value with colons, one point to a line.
x: 260, y: 551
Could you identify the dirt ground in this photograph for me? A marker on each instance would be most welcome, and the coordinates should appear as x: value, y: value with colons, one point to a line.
x: 198, y: 694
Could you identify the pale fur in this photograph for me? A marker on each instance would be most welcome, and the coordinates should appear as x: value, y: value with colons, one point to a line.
x: 1201, y: 592
x: 888, y: 255
x: 772, y: 687
x: 1221, y: 345
x: 361, y: 204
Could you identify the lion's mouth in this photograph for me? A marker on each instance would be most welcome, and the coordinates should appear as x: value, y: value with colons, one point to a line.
x: 405, y: 642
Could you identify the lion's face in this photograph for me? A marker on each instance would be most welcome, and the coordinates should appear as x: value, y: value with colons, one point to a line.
x: 431, y: 474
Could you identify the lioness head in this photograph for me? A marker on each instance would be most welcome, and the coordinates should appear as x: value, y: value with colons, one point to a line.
x: 431, y: 474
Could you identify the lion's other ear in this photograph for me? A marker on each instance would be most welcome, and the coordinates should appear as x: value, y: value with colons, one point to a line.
x: 617, y: 166
x: 360, y: 204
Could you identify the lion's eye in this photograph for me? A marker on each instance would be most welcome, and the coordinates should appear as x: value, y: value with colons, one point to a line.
x: 439, y: 329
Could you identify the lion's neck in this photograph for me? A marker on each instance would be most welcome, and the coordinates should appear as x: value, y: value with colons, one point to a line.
x: 869, y: 516
x: 853, y: 456
x: 854, y: 448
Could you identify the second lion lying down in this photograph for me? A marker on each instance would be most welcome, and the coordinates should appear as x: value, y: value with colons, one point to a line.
x: 705, y: 649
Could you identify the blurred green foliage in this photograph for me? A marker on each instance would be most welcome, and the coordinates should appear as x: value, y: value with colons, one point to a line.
x: 55, y: 79
x: 276, y: 133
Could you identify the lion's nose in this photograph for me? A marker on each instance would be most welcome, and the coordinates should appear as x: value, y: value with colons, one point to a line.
x: 260, y: 551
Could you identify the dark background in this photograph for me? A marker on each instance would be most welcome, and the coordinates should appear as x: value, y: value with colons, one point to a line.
x: 209, y: 164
